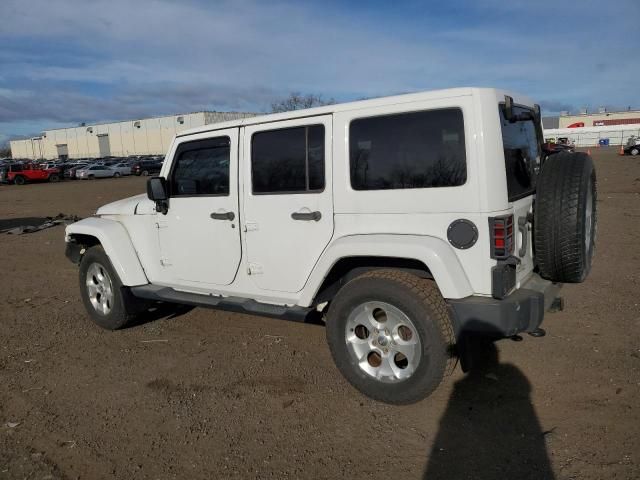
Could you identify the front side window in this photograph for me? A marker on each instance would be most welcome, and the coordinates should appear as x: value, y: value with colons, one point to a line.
x: 202, y: 168
x: 409, y: 150
x: 288, y: 160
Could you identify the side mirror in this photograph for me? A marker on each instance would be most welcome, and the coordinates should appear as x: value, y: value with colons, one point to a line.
x: 157, y: 191
x: 508, y: 108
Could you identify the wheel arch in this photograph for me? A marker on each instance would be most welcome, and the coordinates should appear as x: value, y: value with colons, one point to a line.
x: 423, y: 256
x: 115, y: 241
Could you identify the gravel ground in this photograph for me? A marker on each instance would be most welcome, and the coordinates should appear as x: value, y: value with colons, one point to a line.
x: 205, y: 394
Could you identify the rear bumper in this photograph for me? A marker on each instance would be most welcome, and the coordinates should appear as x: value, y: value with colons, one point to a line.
x: 521, y: 311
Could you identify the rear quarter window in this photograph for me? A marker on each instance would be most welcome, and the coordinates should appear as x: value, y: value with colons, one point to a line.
x: 409, y: 150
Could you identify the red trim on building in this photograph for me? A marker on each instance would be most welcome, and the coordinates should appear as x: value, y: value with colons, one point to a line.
x: 619, y: 121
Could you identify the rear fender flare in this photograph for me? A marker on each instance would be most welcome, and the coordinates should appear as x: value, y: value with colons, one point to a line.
x: 434, y: 252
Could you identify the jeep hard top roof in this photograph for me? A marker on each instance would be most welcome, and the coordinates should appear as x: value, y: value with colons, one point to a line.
x: 374, y: 102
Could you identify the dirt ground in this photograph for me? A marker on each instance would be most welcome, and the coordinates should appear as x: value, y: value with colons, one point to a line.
x: 211, y: 394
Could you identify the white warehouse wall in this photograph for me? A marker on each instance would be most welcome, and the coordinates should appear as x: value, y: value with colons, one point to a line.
x: 150, y: 136
x: 590, y: 136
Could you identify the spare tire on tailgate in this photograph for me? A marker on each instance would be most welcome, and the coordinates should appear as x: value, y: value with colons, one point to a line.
x: 565, y: 217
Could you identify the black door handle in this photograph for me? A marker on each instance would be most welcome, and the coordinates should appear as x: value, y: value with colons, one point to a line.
x: 223, y: 216
x: 315, y: 216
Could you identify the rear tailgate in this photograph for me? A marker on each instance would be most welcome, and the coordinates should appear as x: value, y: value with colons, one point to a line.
x: 522, y: 141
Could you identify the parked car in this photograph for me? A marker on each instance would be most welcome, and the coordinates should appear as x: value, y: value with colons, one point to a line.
x: 122, y: 168
x: 91, y: 172
x: 4, y: 169
x: 21, y: 173
x: 632, y: 150
x: 146, y: 167
x: 387, y: 218
x: 71, y: 172
x: 552, y: 147
x: 562, y: 144
x: 632, y: 147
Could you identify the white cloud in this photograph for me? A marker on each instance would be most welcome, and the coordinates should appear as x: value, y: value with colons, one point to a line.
x: 125, y: 58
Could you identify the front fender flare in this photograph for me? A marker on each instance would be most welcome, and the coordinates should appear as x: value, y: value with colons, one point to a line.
x: 435, y: 253
x: 117, y: 244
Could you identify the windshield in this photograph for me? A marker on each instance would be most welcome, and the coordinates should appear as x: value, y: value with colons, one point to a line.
x: 521, y: 141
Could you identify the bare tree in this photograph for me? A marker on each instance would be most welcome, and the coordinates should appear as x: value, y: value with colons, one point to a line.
x: 298, y: 101
x: 5, y: 152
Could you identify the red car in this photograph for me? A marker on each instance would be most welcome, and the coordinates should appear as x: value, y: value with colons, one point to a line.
x: 22, y: 173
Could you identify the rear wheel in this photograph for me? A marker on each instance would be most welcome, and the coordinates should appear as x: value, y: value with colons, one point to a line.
x: 54, y: 178
x: 145, y: 173
x: 116, y: 175
x: 109, y: 304
x: 634, y: 151
x: 19, y: 180
x: 565, y: 217
x: 391, y: 336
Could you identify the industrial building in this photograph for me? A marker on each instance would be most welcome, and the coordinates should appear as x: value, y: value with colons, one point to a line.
x: 597, y: 128
x: 150, y: 136
x: 602, y: 118
x: 592, y: 136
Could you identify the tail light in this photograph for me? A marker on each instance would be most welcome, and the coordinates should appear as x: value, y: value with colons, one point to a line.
x: 502, y: 238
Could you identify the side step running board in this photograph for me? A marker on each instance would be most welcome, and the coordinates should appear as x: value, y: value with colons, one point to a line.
x: 232, y: 304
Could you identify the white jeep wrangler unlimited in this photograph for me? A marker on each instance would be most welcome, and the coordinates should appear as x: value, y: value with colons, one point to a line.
x: 407, y: 223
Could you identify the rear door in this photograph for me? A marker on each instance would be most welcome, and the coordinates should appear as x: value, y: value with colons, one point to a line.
x: 288, y: 208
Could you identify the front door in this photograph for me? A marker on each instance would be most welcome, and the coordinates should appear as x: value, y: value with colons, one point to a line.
x: 288, y: 208
x: 199, y: 235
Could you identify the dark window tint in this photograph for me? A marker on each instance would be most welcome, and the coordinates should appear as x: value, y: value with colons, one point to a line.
x: 521, y: 154
x: 288, y: 160
x: 410, y: 150
x: 202, y: 168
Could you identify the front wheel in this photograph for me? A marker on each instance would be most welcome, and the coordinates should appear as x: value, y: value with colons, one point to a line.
x: 116, y: 175
x: 19, y: 180
x: 145, y: 173
x: 635, y: 151
x: 54, y: 178
x: 391, y: 336
x: 109, y: 304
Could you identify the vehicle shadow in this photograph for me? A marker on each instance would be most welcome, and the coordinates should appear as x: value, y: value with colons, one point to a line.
x: 489, y: 429
x: 10, y: 223
x: 158, y: 311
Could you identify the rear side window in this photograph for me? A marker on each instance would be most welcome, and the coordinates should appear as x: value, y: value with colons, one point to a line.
x: 521, y: 154
x: 409, y: 150
x: 289, y: 160
x: 202, y: 168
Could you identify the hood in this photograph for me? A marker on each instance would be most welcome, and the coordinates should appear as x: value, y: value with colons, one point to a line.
x: 139, y: 205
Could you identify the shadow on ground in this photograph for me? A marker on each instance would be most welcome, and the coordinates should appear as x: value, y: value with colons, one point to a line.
x: 159, y: 310
x: 489, y: 429
x: 9, y: 223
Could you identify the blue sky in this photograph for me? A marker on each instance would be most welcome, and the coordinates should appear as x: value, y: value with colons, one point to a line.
x: 70, y: 61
